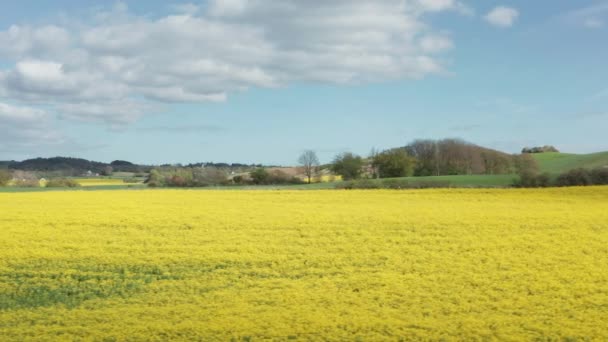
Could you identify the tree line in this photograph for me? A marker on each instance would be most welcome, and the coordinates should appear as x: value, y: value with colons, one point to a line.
x: 71, y: 167
x: 213, y: 176
x: 425, y: 158
x: 422, y: 157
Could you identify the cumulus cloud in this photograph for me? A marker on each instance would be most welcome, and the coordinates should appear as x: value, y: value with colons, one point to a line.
x: 114, y: 66
x: 502, y: 16
x: 25, y: 127
x: 114, y: 114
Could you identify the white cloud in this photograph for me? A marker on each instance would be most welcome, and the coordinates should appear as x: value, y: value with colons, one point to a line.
x: 114, y: 114
x: 20, y: 115
x: 188, y: 8
x: 502, y: 16
x: 436, y: 43
x: 25, y: 128
x: 592, y: 17
x: 444, y: 5
x: 24, y: 40
x: 109, y: 68
x: 228, y: 7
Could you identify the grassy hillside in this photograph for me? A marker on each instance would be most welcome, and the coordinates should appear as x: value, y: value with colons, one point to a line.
x: 562, y: 162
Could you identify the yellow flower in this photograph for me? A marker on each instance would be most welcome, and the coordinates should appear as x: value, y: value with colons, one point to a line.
x: 453, y: 264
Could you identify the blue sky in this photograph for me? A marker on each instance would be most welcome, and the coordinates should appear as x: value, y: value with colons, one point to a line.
x: 251, y: 81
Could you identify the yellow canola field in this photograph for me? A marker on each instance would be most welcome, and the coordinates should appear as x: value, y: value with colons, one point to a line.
x: 160, y: 265
x: 99, y: 181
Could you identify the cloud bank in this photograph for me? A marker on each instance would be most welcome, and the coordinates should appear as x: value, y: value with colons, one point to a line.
x: 116, y: 66
x: 25, y: 128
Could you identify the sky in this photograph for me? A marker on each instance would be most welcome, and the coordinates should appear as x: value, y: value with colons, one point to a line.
x: 260, y: 81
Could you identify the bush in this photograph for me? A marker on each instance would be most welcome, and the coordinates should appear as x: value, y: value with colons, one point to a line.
x: 176, y: 181
x: 208, y: 176
x: 259, y: 176
x: 277, y: 177
x: 599, y: 176
x: 394, y: 163
x: 532, y: 180
x: 543, y: 180
x: 362, y: 184
x: 131, y: 180
x: 154, y: 179
x: 392, y: 184
x: 429, y: 185
x: 27, y: 183
x: 62, y: 183
x: 395, y: 184
x: 5, y: 177
x: 576, y: 177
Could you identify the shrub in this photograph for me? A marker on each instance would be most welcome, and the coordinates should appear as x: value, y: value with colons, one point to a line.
x: 429, y: 185
x: 176, y: 180
x: 27, y: 183
x: 280, y: 177
x: 5, y: 177
x: 347, y: 185
x: 367, y: 184
x: 131, y: 180
x: 599, y: 176
x: 262, y: 176
x: 154, y: 179
x: 395, y: 184
x: 259, y: 176
x: 208, y: 176
x: 392, y: 184
x: 576, y: 177
x: 62, y: 183
x: 543, y: 180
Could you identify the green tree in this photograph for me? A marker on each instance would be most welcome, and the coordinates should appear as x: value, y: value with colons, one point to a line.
x: 154, y: 179
x: 394, y: 163
x: 347, y: 165
x: 259, y: 176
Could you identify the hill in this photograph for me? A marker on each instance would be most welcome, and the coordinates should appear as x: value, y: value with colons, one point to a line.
x: 562, y: 162
x: 57, y: 164
x: 66, y: 163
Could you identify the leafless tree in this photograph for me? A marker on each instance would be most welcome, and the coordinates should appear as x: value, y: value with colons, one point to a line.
x: 310, y: 163
x: 456, y: 156
x: 374, y: 167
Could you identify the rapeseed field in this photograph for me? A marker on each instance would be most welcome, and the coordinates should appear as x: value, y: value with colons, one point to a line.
x: 162, y: 265
x: 99, y: 181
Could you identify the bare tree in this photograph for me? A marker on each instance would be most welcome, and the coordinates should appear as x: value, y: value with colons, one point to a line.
x: 373, y: 154
x: 309, y: 162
